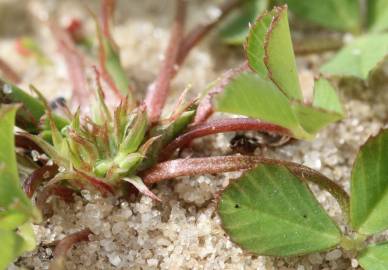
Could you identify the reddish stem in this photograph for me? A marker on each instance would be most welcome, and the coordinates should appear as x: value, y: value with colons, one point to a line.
x: 74, y: 63
x: 214, y: 165
x: 199, y: 32
x: 158, y: 91
x: 37, y: 177
x: 197, y: 166
x: 65, y: 245
x: 9, y: 72
x: 205, y: 107
x: 107, y: 8
x: 220, y: 126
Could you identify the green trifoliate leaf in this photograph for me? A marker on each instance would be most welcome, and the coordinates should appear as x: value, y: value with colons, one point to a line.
x: 274, y: 95
x: 377, y: 15
x: 369, y: 186
x: 374, y: 257
x: 269, y: 211
x: 359, y: 58
x: 343, y: 15
x: 236, y: 29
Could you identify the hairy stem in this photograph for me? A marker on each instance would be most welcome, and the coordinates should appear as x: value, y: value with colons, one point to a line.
x: 220, y: 126
x: 65, y: 245
x: 9, y: 72
x: 158, y: 91
x: 221, y: 164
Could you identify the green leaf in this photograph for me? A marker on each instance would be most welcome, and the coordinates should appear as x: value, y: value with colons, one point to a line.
x: 326, y: 108
x: 274, y: 95
x: 279, y: 55
x: 343, y: 15
x: 250, y: 95
x: 10, y: 189
x: 11, y: 219
x: 236, y: 28
x: 359, y: 57
x: 29, y: 115
x: 369, y: 186
x: 269, y: 51
x: 269, y: 211
x: 11, y: 247
x: 15, y: 207
x: 325, y: 97
x: 313, y: 119
x: 374, y: 257
x: 377, y: 15
x: 255, y: 44
x: 26, y: 231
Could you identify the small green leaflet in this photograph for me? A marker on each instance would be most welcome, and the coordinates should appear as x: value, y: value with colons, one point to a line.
x: 273, y: 94
x: 279, y: 55
x: 359, y: 58
x: 343, y: 15
x: 269, y: 211
x: 369, y: 186
x: 374, y: 257
x: 236, y: 29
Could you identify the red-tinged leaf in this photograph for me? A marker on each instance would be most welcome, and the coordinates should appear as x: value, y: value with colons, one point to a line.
x: 103, y: 187
x: 40, y: 175
x: 138, y: 183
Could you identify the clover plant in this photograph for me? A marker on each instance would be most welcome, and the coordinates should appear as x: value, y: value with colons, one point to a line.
x: 270, y: 210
